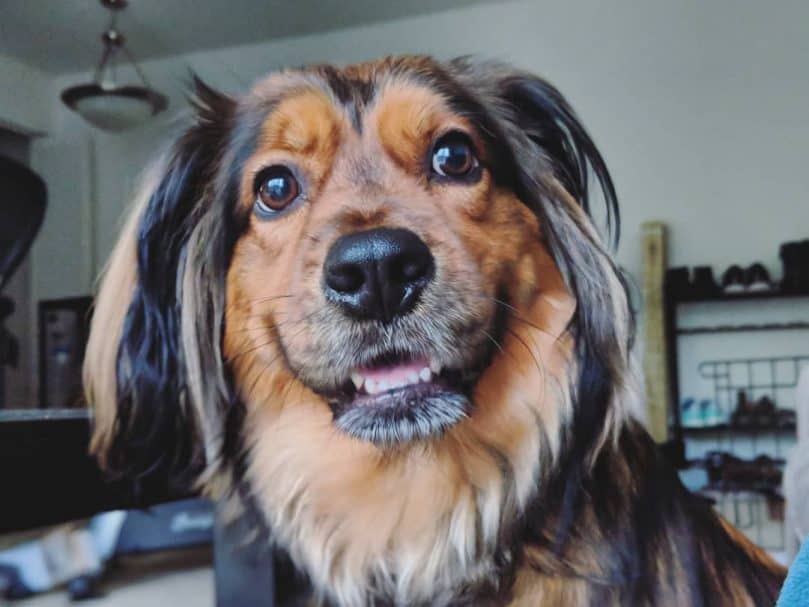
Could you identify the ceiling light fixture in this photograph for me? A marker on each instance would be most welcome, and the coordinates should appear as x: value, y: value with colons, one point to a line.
x: 104, y: 102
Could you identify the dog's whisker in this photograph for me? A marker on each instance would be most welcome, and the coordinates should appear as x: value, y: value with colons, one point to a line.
x: 266, y: 367
x: 493, y: 340
x: 269, y: 326
x: 515, y: 313
x: 236, y: 305
x: 231, y: 359
x: 533, y: 352
x: 269, y: 298
x: 249, y: 395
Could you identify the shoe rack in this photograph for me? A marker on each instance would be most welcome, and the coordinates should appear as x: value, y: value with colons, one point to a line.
x: 674, y: 300
x: 739, y: 460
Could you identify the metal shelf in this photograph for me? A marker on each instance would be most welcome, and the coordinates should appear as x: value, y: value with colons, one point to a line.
x: 790, y: 326
x: 729, y: 297
x: 708, y: 430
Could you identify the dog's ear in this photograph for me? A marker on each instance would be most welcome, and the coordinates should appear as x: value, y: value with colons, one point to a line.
x: 549, y: 161
x: 142, y: 373
x: 549, y: 122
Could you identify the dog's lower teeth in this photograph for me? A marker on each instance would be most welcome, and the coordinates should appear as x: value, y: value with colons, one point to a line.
x: 377, y: 386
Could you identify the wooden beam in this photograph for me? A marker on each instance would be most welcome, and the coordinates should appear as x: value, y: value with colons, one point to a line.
x: 655, y: 362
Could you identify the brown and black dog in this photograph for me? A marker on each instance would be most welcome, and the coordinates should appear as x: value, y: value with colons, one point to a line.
x: 370, y: 303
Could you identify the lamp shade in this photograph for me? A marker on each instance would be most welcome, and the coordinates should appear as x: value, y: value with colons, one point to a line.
x: 114, y: 109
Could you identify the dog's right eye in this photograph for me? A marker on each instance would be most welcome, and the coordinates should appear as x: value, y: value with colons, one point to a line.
x: 453, y: 156
x: 276, y: 188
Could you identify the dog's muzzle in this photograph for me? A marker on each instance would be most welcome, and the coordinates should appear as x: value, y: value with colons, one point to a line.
x: 378, y: 276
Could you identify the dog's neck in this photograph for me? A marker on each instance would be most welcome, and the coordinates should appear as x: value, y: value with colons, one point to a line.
x: 624, y: 533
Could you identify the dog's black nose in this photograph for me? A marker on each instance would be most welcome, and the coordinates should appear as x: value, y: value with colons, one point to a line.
x: 377, y: 274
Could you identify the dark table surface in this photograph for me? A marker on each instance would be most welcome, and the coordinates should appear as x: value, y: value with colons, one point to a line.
x: 47, y: 476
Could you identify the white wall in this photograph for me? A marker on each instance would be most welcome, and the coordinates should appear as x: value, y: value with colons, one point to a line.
x: 25, y: 104
x: 700, y: 109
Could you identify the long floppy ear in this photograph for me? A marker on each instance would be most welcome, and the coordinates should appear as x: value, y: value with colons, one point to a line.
x: 142, y: 373
x: 551, y: 161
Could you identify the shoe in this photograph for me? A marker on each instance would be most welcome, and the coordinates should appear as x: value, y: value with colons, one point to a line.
x: 691, y: 414
x: 785, y: 419
x: 733, y: 280
x: 704, y: 284
x: 744, y: 414
x: 795, y: 261
x: 768, y: 471
x: 736, y: 473
x: 678, y: 283
x: 764, y: 413
x: 712, y: 413
x: 761, y: 473
x: 757, y: 279
x: 714, y: 463
x: 775, y: 504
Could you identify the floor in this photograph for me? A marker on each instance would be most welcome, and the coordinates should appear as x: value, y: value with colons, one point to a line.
x: 176, y: 579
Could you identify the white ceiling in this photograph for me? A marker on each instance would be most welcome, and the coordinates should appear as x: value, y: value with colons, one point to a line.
x: 62, y: 36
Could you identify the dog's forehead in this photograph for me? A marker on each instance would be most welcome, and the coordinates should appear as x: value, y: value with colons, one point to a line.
x: 309, y: 111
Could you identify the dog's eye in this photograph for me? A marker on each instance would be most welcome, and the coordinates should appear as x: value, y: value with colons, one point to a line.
x: 276, y: 188
x: 453, y: 156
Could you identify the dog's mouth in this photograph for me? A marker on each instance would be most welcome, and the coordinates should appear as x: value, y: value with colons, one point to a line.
x: 399, y: 398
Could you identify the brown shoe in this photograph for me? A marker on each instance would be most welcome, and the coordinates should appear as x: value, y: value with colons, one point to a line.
x: 768, y: 472
x: 775, y: 504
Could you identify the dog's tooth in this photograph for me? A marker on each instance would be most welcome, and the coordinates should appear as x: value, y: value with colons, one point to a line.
x: 371, y: 386
x: 383, y: 386
x: 413, y: 377
x: 425, y: 374
x: 357, y: 379
x: 435, y: 367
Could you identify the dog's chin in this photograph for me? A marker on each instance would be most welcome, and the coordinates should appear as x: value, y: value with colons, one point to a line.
x: 401, y: 400
x: 402, y: 415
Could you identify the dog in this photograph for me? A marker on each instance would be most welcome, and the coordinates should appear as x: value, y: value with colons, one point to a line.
x: 370, y: 304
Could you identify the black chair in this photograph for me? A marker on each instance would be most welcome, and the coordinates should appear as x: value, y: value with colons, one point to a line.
x: 23, y: 199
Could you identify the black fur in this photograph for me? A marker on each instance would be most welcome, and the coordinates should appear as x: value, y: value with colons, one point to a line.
x: 156, y: 434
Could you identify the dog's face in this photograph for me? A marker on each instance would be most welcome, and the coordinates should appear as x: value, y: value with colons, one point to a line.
x: 358, y: 286
x: 378, y: 257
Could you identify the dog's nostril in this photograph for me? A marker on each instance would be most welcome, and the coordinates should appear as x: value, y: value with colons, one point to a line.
x: 405, y: 269
x: 377, y: 274
x: 345, y: 278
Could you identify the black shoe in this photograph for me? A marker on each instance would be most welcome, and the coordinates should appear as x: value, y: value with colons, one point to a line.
x: 757, y: 279
x: 733, y: 280
x: 794, y: 275
x: 803, y: 261
x: 678, y: 283
x: 704, y: 283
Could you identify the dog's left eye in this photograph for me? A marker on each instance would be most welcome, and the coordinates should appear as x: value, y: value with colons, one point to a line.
x: 276, y: 187
x: 453, y: 156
